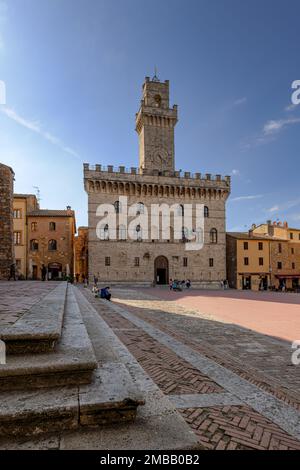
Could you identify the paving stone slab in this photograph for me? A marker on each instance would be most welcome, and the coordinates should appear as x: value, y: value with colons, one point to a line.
x: 40, y: 327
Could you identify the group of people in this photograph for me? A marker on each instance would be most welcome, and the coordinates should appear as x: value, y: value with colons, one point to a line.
x: 102, y: 293
x: 179, y: 285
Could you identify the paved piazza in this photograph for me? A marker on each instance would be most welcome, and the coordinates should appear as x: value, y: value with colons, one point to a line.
x: 17, y: 297
x: 234, y: 385
x: 221, y: 359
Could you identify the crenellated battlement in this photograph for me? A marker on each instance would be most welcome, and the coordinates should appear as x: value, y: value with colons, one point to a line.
x: 121, y: 172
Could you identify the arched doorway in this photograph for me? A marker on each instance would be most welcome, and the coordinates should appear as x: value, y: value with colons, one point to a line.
x: 161, y: 270
x: 54, y: 271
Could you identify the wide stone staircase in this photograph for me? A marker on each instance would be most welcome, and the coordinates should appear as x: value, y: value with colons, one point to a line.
x: 57, y: 374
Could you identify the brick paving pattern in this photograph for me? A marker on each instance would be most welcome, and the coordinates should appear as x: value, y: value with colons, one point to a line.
x: 237, y: 427
x: 166, y: 369
x: 217, y: 427
x: 16, y: 298
x: 268, y: 361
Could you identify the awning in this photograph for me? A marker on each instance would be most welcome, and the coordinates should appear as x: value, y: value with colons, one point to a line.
x: 287, y: 276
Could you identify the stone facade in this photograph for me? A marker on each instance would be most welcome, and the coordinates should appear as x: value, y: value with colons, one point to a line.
x: 145, y: 261
x: 6, y: 220
x: 81, y: 253
x: 51, y: 242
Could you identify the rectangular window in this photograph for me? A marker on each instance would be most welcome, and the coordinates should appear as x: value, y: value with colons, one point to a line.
x: 291, y: 236
x: 185, y: 262
x: 17, y: 238
x: 293, y: 265
x: 279, y: 265
x: 261, y: 261
x: 299, y: 236
x: 17, y: 214
x: 292, y: 251
x: 245, y: 245
x: 246, y: 261
x: 260, y: 246
x: 211, y: 262
x: 107, y: 260
x: 136, y: 261
x: 279, y: 248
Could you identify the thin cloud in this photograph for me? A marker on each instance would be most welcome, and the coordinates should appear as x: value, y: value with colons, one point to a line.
x: 273, y: 209
x: 240, y: 101
x: 285, y: 206
x: 247, y: 198
x: 272, y: 127
x: 35, y: 127
x: 235, y: 172
x: 290, y: 107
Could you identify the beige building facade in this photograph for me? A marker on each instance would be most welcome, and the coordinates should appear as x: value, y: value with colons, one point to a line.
x: 268, y: 256
x: 115, y: 257
x: 22, y: 204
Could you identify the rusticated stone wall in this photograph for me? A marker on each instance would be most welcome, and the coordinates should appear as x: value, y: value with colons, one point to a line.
x: 6, y: 220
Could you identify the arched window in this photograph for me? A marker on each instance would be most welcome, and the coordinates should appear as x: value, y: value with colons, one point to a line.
x: 206, y: 211
x: 214, y: 235
x: 33, y: 226
x: 140, y: 208
x: 52, y: 226
x: 104, y: 232
x: 34, y: 245
x: 52, y: 245
x: 157, y: 99
x: 122, y: 232
x: 138, y: 231
x: 118, y: 207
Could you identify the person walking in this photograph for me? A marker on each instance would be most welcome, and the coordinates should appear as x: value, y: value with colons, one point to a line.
x: 12, y: 272
x: 44, y: 272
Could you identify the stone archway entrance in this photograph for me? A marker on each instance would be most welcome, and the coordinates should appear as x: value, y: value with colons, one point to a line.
x: 161, y: 270
x: 54, y: 271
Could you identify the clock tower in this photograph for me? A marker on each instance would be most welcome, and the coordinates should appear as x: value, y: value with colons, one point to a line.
x: 155, y: 123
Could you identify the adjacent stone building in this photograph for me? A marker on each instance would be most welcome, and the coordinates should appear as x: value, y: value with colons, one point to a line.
x: 51, y: 242
x: 81, y: 253
x: 116, y: 258
x: 268, y: 256
x: 22, y: 204
x: 7, y: 257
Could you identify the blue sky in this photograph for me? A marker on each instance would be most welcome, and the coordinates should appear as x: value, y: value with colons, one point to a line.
x: 73, y: 71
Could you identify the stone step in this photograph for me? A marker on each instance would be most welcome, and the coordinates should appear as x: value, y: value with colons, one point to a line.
x: 39, y: 329
x: 110, y: 398
x: 71, y: 362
